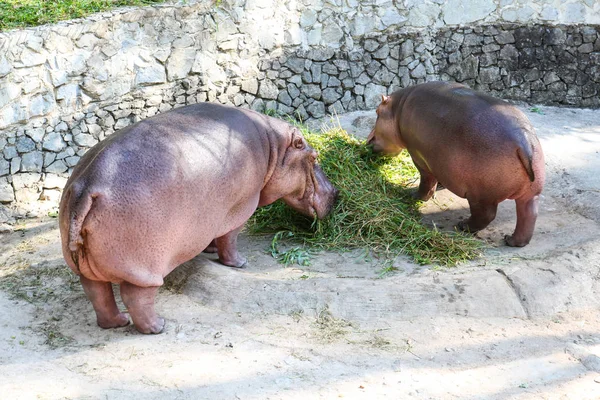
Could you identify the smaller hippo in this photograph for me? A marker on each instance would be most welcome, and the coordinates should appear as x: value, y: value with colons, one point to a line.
x: 157, y: 193
x: 478, y: 147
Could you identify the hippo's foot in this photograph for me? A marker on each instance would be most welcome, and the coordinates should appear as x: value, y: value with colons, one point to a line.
x: 140, y: 304
x: 227, y: 246
x: 103, y: 299
x: 235, y: 261
x: 116, y: 321
x: 417, y: 195
x: 481, y: 216
x: 156, y: 326
x: 463, y: 226
x: 427, y: 185
x: 512, y: 242
x: 527, y: 210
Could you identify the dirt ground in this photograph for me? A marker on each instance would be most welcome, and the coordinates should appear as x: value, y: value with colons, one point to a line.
x: 513, y: 324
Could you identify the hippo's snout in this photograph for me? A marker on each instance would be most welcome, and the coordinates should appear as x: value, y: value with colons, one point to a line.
x: 325, y: 195
x: 373, y: 144
x: 371, y: 137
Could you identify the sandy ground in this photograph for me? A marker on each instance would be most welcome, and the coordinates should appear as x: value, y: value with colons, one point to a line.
x: 513, y: 324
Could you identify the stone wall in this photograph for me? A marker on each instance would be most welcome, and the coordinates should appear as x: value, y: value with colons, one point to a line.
x: 65, y: 87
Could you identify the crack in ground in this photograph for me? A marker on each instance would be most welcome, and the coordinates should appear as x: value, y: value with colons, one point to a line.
x: 548, y: 270
x: 520, y: 296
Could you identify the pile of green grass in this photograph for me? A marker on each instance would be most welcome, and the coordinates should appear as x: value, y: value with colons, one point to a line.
x: 24, y: 13
x: 375, y: 208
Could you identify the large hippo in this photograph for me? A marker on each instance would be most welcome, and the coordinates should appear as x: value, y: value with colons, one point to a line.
x: 479, y: 147
x: 157, y: 193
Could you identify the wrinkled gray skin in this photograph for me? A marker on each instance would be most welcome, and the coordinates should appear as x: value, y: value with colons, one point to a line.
x: 479, y: 147
x: 157, y: 193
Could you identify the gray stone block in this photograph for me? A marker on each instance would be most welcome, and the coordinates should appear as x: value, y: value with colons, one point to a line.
x: 57, y: 167
x: 85, y: 140
x: 330, y: 96
x: 312, y: 91
x: 316, y: 109
x: 10, y: 152
x: 53, y: 142
x: 373, y: 93
x: 7, y: 194
x: 25, y: 144
x: 32, y: 162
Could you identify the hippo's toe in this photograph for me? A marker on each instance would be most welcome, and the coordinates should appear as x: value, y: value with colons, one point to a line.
x: 154, y: 327
x: 237, y: 262
x: 119, y: 320
x: 512, y: 242
x: 463, y: 226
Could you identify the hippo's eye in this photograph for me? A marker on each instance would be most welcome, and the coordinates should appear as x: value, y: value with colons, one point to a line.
x: 298, y: 143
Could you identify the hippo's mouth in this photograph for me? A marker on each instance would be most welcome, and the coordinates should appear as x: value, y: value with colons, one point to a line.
x: 323, y: 196
x: 312, y: 205
x: 317, y: 197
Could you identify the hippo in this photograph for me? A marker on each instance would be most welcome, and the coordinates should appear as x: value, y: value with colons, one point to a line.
x: 157, y: 193
x: 478, y: 147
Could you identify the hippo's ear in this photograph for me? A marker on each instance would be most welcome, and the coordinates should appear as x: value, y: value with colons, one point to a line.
x: 298, y: 143
x: 385, y: 99
x: 297, y: 140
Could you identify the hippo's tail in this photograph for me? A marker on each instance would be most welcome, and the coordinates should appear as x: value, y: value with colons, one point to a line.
x: 525, y: 153
x: 76, y: 206
x: 527, y: 160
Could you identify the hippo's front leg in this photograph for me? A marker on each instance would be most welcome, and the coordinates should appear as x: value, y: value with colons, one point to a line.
x: 227, y: 249
x: 527, y: 211
x: 427, y: 184
x: 140, y: 304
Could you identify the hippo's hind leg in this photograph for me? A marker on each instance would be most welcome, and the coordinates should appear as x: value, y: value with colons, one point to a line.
x: 140, y: 304
x: 103, y: 300
x: 227, y: 249
x: 527, y: 211
x: 482, y: 213
x: 427, y: 185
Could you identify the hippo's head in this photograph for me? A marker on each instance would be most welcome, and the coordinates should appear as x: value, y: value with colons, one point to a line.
x: 385, y: 138
x: 299, y: 181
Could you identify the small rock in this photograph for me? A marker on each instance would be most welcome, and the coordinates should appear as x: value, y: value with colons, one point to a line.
x: 5, y: 228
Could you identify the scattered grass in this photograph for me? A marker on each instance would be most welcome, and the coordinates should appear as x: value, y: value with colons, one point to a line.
x: 24, y: 13
x: 328, y: 327
x: 271, y: 112
x: 375, y: 209
x: 379, y: 342
x: 54, y: 337
x: 40, y: 285
x: 387, y: 269
x: 536, y: 110
x: 37, y: 284
x: 294, y: 255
